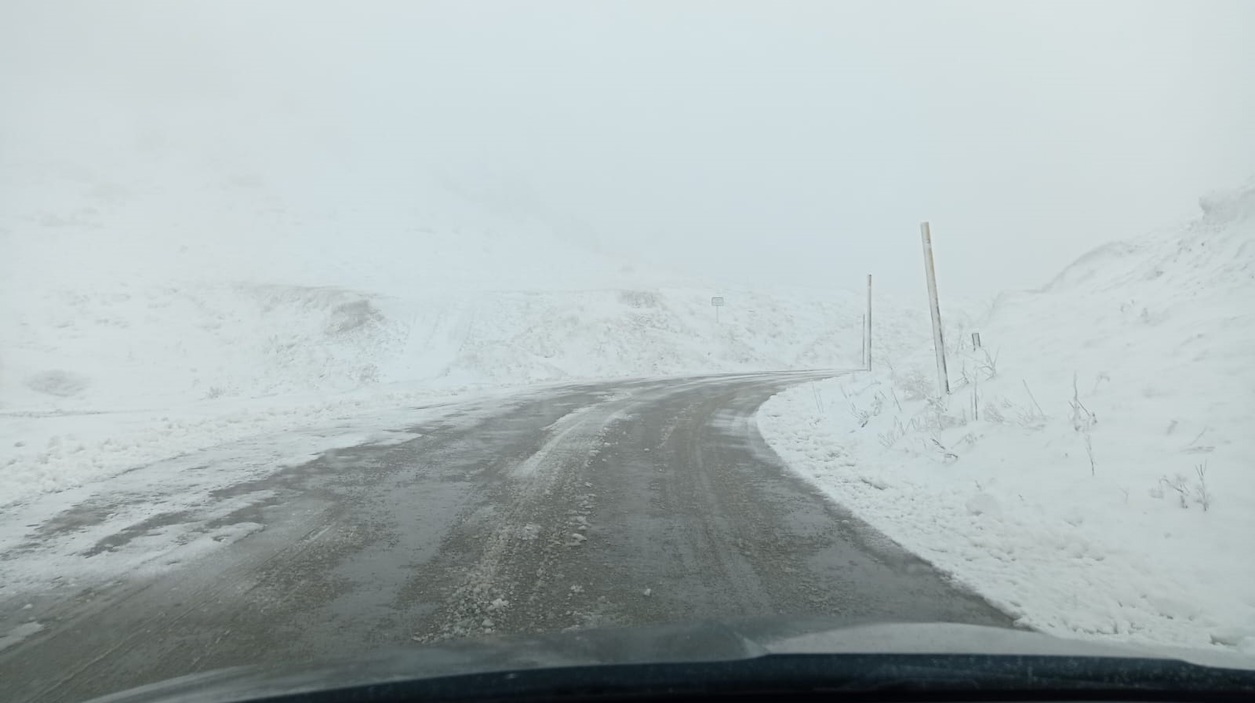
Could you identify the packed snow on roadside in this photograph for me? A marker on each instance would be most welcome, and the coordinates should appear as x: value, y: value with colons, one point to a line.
x: 1091, y: 471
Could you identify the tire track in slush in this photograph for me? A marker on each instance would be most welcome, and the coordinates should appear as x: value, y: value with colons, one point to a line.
x: 273, y: 597
x: 533, y: 562
x: 669, y: 506
x: 545, y: 516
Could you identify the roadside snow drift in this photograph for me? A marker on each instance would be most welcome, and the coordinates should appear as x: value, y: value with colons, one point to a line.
x: 1091, y: 471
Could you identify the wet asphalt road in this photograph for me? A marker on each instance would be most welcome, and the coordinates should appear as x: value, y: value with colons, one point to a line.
x: 600, y: 505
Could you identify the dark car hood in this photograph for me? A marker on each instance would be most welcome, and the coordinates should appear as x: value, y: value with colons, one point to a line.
x: 695, y: 642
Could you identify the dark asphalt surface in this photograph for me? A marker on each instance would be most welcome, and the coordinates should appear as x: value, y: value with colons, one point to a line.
x: 587, y: 506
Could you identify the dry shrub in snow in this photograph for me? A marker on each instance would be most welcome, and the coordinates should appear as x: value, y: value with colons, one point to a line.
x: 1201, y: 494
x: 1031, y: 416
x: 915, y: 385
x: 988, y: 365
x: 1083, y: 422
x: 63, y: 384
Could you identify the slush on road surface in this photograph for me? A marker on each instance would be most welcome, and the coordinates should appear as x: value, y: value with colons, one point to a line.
x: 599, y: 505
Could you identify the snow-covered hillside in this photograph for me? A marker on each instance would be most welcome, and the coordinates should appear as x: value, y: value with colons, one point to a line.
x: 136, y: 376
x: 1091, y: 471
x: 141, y: 318
x: 132, y: 287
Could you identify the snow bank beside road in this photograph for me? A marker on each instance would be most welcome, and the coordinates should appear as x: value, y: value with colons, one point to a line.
x: 1093, y: 474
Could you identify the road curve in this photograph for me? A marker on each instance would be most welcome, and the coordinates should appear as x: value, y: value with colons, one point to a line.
x: 597, y: 505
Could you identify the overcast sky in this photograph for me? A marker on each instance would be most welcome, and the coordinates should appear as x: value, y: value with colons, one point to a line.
x: 766, y: 143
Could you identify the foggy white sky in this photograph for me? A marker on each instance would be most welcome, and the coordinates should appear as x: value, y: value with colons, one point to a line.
x: 766, y: 143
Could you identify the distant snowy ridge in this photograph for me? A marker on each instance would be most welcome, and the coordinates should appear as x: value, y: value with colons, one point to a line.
x: 169, y: 277
x: 1213, y: 254
x: 148, y: 347
x: 1091, y: 472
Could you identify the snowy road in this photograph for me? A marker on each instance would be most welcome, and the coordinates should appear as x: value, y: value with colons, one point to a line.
x: 598, y: 505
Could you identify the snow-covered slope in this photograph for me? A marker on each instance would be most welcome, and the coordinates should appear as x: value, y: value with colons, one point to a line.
x: 153, y: 347
x: 135, y: 285
x: 143, y: 316
x: 1093, y: 473
x: 110, y: 382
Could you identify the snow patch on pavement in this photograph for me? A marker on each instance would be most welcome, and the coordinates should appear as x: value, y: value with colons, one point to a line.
x: 17, y: 633
x: 148, y: 519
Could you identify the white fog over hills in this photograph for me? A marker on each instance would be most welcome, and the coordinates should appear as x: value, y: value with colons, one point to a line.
x: 123, y: 289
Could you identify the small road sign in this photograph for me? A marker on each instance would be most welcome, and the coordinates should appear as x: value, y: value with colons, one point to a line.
x: 717, y: 302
